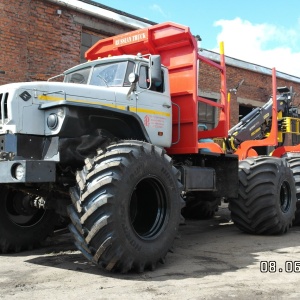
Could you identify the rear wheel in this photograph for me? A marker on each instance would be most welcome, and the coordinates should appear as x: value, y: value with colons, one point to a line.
x: 127, y: 207
x: 22, y: 227
x: 267, y: 196
x: 294, y: 163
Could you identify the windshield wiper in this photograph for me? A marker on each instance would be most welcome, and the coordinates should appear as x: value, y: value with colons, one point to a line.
x: 106, y: 83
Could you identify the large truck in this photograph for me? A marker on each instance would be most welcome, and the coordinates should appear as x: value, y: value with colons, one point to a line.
x: 117, y: 149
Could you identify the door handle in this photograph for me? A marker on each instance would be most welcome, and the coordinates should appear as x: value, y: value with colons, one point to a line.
x: 166, y: 105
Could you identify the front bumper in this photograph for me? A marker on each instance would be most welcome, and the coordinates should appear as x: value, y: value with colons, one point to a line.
x: 21, y: 171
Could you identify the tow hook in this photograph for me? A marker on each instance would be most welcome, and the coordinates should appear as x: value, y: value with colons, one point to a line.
x: 7, y: 155
x: 39, y: 203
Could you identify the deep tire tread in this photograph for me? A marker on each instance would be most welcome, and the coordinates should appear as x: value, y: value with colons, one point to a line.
x: 257, y: 210
x: 93, y: 203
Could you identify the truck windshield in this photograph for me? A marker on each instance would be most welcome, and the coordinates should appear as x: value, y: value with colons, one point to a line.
x: 112, y: 74
x: 109, y: 74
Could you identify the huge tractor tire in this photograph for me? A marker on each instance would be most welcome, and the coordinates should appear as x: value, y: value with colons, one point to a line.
x: 294, y: 163
x: 267, y: 196
x: 200, y: 206
x: 22, y: 227
x: 126, y: 207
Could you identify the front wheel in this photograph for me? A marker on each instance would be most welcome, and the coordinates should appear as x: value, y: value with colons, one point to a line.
x: 22, y: 227
x: 126, y: 207
x: 267, y: 196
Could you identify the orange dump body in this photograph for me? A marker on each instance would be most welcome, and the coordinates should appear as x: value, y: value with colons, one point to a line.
x: 179, y: 53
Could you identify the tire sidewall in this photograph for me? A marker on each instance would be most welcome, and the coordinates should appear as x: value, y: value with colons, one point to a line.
x: 286, y: 175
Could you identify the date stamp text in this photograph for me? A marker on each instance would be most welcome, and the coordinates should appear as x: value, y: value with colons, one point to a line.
x: 271, y: 267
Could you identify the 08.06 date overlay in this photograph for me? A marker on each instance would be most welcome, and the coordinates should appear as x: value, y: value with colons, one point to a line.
x: 271, y: 267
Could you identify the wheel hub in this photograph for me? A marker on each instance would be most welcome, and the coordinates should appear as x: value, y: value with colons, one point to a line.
x: 148, y: 208
x: 20, y: 210
x: 285, y: 197
x: 23, y: 204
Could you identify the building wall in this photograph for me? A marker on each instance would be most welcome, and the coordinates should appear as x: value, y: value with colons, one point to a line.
x: 13, y: 40
x: 37, y: 43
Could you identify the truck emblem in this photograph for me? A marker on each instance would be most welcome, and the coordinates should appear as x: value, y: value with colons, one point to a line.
x: 147, y: 120
x: 25, y: 96
x: 130, y: 38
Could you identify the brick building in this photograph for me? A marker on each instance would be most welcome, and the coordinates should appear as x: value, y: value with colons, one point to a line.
x: 42, y: 38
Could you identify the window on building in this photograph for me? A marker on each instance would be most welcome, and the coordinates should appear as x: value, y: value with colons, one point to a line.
x: 88, y: 39
x: 206, y: 115
x: 244, y: 110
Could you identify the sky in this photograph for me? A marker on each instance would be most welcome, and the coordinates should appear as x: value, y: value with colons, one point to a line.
x: 261, y: 32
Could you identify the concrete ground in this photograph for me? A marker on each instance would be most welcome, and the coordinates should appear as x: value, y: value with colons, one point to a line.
x: 211, y: 260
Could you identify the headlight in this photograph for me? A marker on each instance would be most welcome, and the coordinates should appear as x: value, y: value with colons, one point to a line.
x: 18, y: 171
x: 52, y: 121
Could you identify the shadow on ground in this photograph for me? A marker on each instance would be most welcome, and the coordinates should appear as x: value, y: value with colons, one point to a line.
x: 203, y: 248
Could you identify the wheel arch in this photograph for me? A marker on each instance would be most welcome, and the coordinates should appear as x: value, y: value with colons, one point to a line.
x: 82, y: 118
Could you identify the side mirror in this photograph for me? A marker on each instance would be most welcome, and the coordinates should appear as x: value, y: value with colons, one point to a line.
x: 155, y: 68
x: 133, y: 78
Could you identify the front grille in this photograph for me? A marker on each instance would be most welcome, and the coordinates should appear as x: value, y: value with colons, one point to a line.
x: 3, y: 107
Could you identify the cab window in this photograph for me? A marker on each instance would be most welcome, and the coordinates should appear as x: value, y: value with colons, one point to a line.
x: 80, y: 76
x: 144, y: 80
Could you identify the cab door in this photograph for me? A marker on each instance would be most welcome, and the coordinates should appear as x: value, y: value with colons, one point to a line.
x: 154, y: 107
